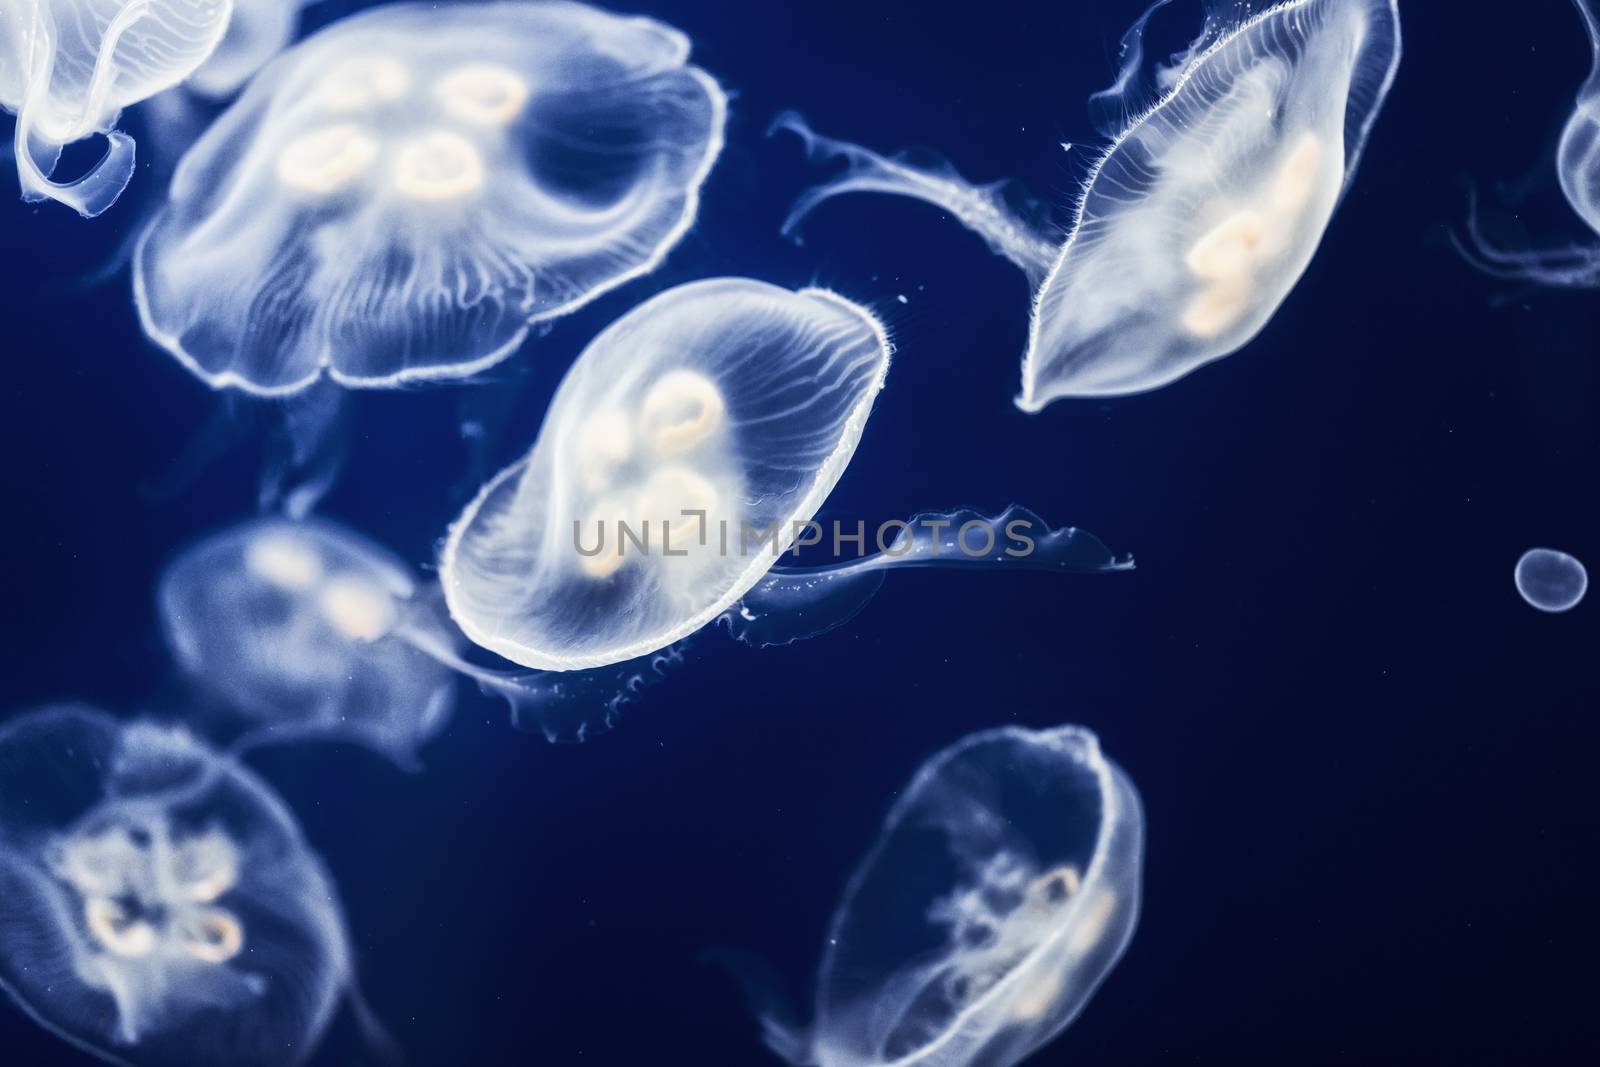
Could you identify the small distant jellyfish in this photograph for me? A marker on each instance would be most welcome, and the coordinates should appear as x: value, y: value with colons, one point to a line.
x: 1194, y: 225
x: 69, y: 67
x: 294, y: 627
x: 1550, y: 580
x: 1002, y: 890
x: 160, y: 904
x: 402, y: 195
x: 1578, y: 168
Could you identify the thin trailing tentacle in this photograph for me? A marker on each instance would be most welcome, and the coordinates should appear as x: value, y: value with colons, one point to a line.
x: 980, y: 208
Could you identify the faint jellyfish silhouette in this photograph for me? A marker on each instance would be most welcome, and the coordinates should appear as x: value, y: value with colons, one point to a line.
x: 1002, y: 890
x: 687, y: 449
x: 69, y: 67
x: 1578, y: 168
x: 290, y: 625
x: 1197, y: 221
x: 1550, y: 580
x: 402, y: 195
x: 161, y: 906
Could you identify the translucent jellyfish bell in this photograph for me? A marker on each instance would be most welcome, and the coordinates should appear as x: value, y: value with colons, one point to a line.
x: 1578, y: 168
x: 1002, y: 890
x: 1199, y: 218
x: 294, y: 626
x: 716, y: 408
x: 69, y: 67
x: 258, y: 30
x: 1551, y: 580
x: 160, y: 904
x: 400, y: 196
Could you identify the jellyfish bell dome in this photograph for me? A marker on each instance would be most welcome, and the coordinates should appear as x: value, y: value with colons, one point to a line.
x: 1002, y: 890
x: 400, y: 196
x: 292, y: 626
x: 258, y: 30
x: 161, y: 906
x: 1203, y: 213
x: 69, y: 67
x: 678, y: 456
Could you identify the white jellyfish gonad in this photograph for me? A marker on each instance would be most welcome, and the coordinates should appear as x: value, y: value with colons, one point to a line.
x: 1198, y: 219
x: 69, y: 67
x: 289, y: 626
x: 161, y: 906
x: 402, y: 195
x: 1578, y: 169
x: 686, y: 450
x: 1002, y: 890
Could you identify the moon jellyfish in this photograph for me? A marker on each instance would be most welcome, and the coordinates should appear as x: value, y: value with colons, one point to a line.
x: 1196, y: 222
x: 400, y: 196
x: 291, y: 626
x: 259, y: 30
x: 1550, y: 580
x: 1578, y: 168
x: 1002, y: 889
x: 720, y: 405
x: 686, y: 450
x: 69, y: 67
x: 161, y: 906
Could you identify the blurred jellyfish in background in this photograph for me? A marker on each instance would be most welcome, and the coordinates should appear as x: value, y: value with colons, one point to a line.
x: 303, y: 630
x: 289, y: 627
x: 69, y: 67
x: 1002, y: 890
x: 1550, y: 580
x: 685, y: 451
x: 1578, y: 168
x: 400, y: 196
x: 1223, y: 172
x: 160, y: 904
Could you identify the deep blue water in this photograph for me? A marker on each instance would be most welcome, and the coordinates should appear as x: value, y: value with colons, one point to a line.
x: 1368, y: 768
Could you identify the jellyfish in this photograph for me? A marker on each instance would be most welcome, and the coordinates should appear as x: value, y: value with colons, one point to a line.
x: 685, y: 452
x: 69, y: 67
x: 1550, y: 580
x: 288, y: 625
x: 259, y: 30
x: 1198, y: 219
x: 403, y: 195
x: 161, y: 906
x: 1002, y: 890
x: 1578, y: 168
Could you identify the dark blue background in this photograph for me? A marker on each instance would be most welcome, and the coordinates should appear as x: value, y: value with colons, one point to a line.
x: 1368, y: 769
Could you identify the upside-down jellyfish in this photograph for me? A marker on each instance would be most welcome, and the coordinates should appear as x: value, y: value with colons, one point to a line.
x: 1550, y: 580
x: 69, y: 67
x: 400, y: 196
x: 1578, y: 169
x: 1002, y: 890
x: 160, y: 904
x: 291, y: 626
x: 1197, y: 221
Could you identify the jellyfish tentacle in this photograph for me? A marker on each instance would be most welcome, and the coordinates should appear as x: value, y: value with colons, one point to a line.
x: 795, y: 603
x: 100, y: 186
x: 980, y: 208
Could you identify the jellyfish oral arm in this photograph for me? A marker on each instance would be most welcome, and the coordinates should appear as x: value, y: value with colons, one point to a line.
x: 980, y: 208
x: 795, y: 603
x: 102, y: 184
